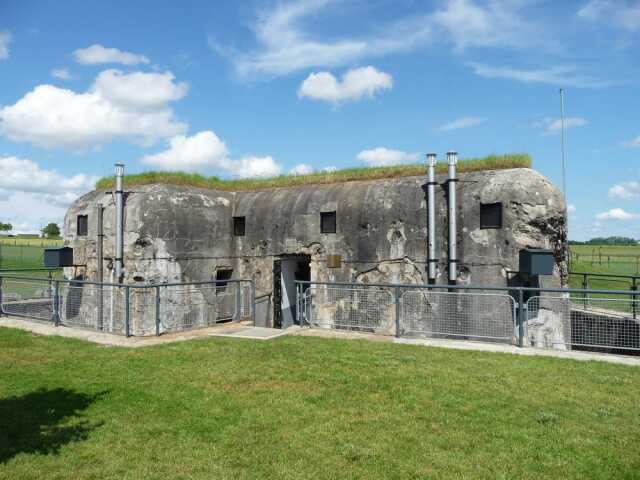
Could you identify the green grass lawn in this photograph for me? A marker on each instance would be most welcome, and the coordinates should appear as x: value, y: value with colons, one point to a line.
x: 301, y: 407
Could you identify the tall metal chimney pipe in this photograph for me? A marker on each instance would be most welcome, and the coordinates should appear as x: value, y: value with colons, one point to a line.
x: 119, y: 221
x: 100, y: 263
x: 452, y: 160
x: 431, y: 218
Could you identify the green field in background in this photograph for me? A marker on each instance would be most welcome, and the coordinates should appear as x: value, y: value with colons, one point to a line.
x: 31, y: 242
x: 604, y: 259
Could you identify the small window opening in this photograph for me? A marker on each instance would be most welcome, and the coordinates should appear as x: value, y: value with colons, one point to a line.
x: 491, y: 215
x: 238, y: 226
x: 328, y: 222
x: 83, y: 225
x: 221, y: 276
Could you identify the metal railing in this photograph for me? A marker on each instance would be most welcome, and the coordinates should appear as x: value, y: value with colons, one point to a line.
x: 599, y: 280
x: 524, y: 316
x: 135, y: 309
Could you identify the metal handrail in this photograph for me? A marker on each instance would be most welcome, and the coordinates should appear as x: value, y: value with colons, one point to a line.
x: 131, y: 285
x: 468, y: 287
x: 604, y: 275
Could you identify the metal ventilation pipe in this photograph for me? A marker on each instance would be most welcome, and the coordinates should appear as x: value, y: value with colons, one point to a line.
x: 100, y: 263
x: 431, y: 218
x: 452, y: 160
x: 119, y: 221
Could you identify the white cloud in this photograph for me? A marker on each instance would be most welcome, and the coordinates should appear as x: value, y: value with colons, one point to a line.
x: 472, y: 24
x: 463, y: 122
x: 5, y: 39
x: 557, y: 75
x: 97, y: 54
x: 619, y: 13
x: 633, y: 143
x: 199, y: 152
x: 286, y: 44
x: 383, y: 157
x: 139, y: 90
x: 554, y: 126
x: 31, y: 196
x: 61, y: 73
x: 204, y: 152
x: 18, y: 174
x: 625, y: 191
x: 617, y: 214
x: 301, y: 169
x: 253, y: 166
x: 131, y: 106
x: 354, y: 85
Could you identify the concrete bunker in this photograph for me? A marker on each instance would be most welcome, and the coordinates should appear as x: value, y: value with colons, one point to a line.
x: 378, y: 229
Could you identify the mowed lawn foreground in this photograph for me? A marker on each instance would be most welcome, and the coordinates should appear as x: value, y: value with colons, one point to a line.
x: 302, y: 407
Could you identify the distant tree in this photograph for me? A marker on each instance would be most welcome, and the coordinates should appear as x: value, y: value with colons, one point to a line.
x: 614, y: 240
x: 5, y: 227
x: 52, y: 230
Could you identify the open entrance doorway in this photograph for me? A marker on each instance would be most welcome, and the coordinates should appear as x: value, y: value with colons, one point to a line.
x: 286, y: 270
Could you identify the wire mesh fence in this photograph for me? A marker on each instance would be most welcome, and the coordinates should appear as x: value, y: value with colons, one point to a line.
x: 94, y: 307
x: 23, y: 297
x: 551, y: 318
x: 360, y: 308
x: 138, y: 310
x: 604, y: 324
x: 482, y: 316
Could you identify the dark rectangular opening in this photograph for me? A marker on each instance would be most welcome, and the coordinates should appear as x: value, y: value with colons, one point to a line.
x: 221, y: 276
x: 328, y: 222
x: 286, y: 270
x: 82, y: 225
x: 491, y: 215
x: 238, y: 226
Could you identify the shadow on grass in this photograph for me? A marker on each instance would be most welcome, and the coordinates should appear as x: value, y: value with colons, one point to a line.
x: 43, y: 421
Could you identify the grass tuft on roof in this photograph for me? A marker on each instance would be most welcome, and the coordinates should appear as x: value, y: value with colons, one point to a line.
x: 491, y: 162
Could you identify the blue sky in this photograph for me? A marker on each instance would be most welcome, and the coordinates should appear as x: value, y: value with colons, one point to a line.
x: 257, y: 88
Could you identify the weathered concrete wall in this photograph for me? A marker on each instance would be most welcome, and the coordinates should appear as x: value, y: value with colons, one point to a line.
x: 172, y: 234
x: 185, y: 234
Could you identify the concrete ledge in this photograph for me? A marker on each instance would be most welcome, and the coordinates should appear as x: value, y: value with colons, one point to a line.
x: 252, y: 333
x: 108, y: 339
x: 244, y: 330
x: 475, y: 346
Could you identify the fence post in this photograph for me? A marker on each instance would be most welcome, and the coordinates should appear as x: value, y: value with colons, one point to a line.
x: 397, y: 302
x: 127, y: 313
x: 157, y: 311
x: 634, y: 289
x: 0, y: 296
x: 56, y: 303
x: 253, y: 303
x: 585, y: 286
x: 237, y: 314
x: 521, y: 319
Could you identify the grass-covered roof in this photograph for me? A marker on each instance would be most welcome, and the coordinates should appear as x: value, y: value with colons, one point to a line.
x: 491, y: 162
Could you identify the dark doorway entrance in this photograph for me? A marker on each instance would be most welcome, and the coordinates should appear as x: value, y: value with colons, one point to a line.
x: 286, y: 270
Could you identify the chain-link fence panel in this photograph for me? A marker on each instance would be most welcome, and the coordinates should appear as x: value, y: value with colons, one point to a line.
x: 32, y: 298
x: 246, y: 299
x: 363, y: 308
x: 479, y: 316
x: 95, y: 307
x: 186, y: 307
x: 604, y: 324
